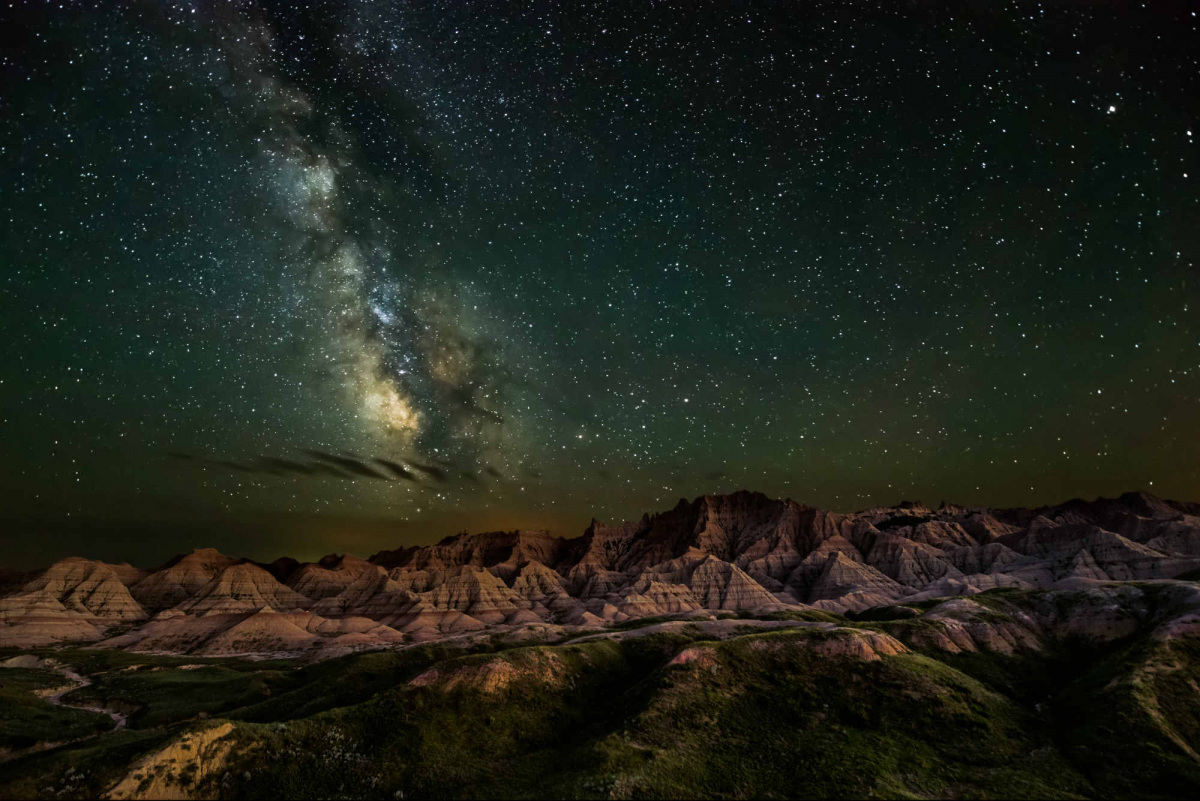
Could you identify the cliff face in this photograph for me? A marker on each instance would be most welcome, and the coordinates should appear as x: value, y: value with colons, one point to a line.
x: 743, y: 553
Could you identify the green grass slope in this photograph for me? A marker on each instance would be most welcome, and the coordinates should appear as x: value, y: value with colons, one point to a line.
x: 27, y: 719
x: 766, y: 715
x: 1105, y: 710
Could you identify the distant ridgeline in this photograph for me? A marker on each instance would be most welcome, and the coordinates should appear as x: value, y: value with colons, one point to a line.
x: 742, y: 553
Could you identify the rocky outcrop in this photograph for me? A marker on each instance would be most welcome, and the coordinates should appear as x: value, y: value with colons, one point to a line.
x: 264, y: 631
x: 172, y: 631
x: 543, y: 592
x: 910, y: 563
x: 270, y: 632
x: 72, y: 600
x: 171, y: 772
x: 648, y: 598
x: 127, y: 573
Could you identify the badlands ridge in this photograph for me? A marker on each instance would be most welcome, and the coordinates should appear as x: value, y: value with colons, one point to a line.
x: 742, y: 553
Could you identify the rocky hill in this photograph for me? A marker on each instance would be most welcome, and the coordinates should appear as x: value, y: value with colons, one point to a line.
x: 743, y: 553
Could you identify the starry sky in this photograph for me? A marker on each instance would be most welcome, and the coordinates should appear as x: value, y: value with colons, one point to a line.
x: 298, y: 277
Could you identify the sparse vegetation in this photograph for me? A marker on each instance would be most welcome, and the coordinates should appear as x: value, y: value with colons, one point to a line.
x: 779, y: 713
x: 163, y: 695
x: 808, y: 615
x: 27, y: 719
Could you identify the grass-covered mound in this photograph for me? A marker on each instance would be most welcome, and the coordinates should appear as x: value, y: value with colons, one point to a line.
x: 780, y: 714
x: 770, y: 715
x: 345, y: 681
x: 520, y: 722
x: 1133, y: 720
x: 80, y: 770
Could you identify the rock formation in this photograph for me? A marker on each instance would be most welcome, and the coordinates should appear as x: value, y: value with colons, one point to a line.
x: 742, y: 553
x: 180, y: 579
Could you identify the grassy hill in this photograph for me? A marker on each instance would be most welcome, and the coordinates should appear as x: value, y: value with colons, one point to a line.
x: 830, y: 707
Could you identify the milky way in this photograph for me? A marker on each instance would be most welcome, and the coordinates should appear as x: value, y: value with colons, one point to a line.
x: 396, y: 337
x: 523, y: 265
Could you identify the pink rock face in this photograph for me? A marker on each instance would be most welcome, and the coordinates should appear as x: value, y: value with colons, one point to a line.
x: 720, y: 585
x: 72, y: 600
x: 648, y: 598
x: 263, y: 631
x: 697, y: 656
x: 743, y: 553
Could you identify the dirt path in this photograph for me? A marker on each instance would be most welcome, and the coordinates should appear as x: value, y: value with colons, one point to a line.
x: 80, y: 681
x: 56, y: 698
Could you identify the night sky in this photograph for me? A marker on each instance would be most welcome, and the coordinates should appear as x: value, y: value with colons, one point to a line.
x: 362, y: 274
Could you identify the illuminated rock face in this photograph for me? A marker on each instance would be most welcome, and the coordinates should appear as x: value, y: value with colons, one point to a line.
x: 243, y: 588
x: 89, y: 588
x: 329, y: 577
x: 743, y: 553
x: 180, y: 579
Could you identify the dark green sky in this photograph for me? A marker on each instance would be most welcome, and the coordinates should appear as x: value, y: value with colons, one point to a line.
x: 584, y: 259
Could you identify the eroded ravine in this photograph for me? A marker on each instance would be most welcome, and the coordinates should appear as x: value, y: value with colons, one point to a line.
x: 56, y: 698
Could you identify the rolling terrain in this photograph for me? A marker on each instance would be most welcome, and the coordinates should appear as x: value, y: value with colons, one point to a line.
x: 734, y: 646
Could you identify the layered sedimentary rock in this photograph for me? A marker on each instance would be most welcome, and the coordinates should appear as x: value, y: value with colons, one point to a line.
x: 90, y: 588
x: 270, y: 631
x: 328, y: 577
x: 371, y: 594
x: 477, y: 593
x: 716, y: 584
x: 262, y: 631
x: 38, y: 618
x: 74, y: 599
x: 180, y: 579
x: 846, y: 583
x: 242, y: 588
x: 742, y: 553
